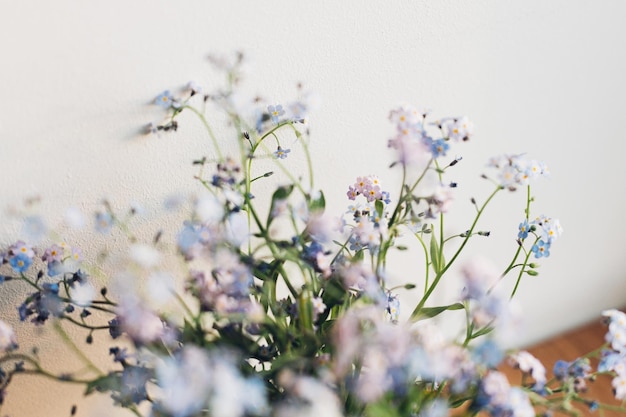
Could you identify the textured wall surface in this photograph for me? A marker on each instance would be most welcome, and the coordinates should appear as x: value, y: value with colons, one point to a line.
x: 536, y: 77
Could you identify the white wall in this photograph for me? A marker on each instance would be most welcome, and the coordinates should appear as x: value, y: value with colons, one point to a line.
x: 546, y: 78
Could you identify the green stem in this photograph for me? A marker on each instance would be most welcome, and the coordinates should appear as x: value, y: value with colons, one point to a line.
x: 521, y: 272
x: 68, y: 341
x: 209, y: 130
x: 432, y: 287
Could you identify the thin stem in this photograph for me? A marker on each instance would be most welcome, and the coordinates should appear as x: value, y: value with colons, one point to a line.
x: 432, y: 287
x: 521, y: 272
x: 68, y: 341
x: 209, y: 130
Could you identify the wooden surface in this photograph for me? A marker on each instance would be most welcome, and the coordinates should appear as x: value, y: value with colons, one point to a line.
x: 570, y: 346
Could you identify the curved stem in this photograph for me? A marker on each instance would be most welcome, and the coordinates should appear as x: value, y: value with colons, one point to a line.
x: 432, y: 287
x: 521, y: 272
x: 209, y: 130
x: 68, y: 341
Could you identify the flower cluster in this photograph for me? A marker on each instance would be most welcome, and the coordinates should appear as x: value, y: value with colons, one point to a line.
x: 281, y: 308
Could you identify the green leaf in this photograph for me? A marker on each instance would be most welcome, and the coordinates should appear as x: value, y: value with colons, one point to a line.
x: 192, y: 334
x: 482, y: 332
x: 110, y: 382
x: 430, y: 312
x: 434, y: 254
x: 532, y: 273
x: 380, y: 207
x: 381, y: 409
x: 318, y: 204
x: 280, y: 194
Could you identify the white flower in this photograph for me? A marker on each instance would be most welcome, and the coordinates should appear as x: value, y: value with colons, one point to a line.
x: 527, y: 363
x: 208, y: 209
x: 496, y: 385
x: 75, y: 218
x: 460, y: 129
x: 82, y: 294
x: 160, y: 288
x: 238, y: 230
x: 519, y: 404
x: 8, y: 340
x: 619, y: 387
x: 186, y: 381
x: 144, y: 255
x: 234, y: 395
x: 319, y: 400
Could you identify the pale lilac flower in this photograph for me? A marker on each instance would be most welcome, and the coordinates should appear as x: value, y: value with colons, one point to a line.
x: 352, y: 193
x: 53, y: 254
x: 410, y: 150
x: 141, y: 324
x: 479, y: 275
x: 318, y: 306
x: 322, y: 226
x: 362, y: 184
x: 356, y: 275
x: 22, y: 248
x: 441, y: 200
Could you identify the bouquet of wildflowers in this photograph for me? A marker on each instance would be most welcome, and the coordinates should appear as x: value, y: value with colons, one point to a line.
x: 281, y: 308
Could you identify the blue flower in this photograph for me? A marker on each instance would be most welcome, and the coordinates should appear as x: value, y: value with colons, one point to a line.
x: 561, y: 369
x: 20, y: 262
x: 541, y: 249
x: 164, y: 99
x: 55, y: 268
x: 386, y: 199
x: 104, y: 222
x: 281, y: 153
x: 439, y: 148
x: 393, y: 307
x: 488, y: 353
x: 524, y: 228
x: 275, y: 112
